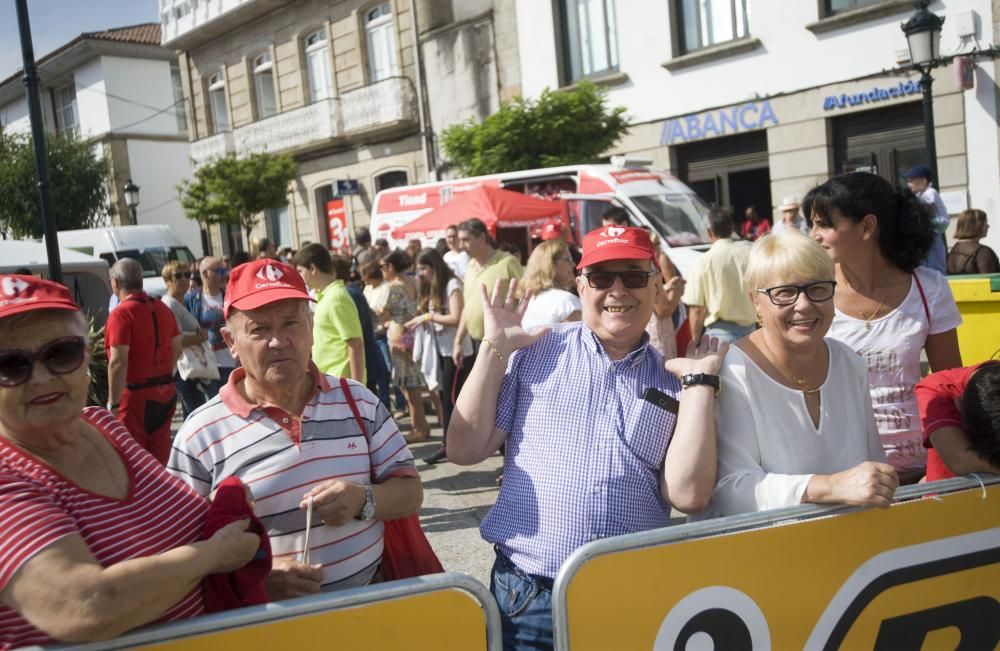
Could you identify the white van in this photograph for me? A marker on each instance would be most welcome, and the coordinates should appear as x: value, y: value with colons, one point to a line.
x: 84, y: 275
x: 651, y: 197
x: 152, y: 246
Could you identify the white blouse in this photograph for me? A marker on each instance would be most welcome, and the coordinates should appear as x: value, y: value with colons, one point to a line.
x: 769, y: 448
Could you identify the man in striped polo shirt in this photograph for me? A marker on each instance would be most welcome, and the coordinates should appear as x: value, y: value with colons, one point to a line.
x: 587, y: 411
x: 289, y: 433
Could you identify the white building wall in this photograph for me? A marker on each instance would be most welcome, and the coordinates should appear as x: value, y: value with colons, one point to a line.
x: 91, y: 98
x: 158, y: 168
x: 14, y: 116
x: 146, y: 87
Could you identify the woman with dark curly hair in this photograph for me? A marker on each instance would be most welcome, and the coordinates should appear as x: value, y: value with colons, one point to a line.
x: 888, y: 308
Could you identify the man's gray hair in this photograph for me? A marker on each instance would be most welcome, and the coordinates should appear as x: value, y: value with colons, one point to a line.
x: 128, y: 273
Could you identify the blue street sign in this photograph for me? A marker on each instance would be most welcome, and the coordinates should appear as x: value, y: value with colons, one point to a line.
x: 348, y: 186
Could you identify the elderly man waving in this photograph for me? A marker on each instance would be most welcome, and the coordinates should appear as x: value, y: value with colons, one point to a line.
x: 598, y: 443
x: 291, y: 433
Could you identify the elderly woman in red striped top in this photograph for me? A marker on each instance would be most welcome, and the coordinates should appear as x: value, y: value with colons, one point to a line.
x: 96, y: 538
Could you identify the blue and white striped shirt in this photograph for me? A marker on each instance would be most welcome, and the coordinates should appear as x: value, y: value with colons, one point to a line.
x: 584, y: 450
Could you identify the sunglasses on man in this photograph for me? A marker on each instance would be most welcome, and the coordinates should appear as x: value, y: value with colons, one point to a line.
x: 631, y: 279
x: 59, y: 356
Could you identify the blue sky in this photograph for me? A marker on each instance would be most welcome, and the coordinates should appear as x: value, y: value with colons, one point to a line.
x: 56, y: 22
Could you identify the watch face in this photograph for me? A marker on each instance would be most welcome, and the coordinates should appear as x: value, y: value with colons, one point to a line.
x: 368, y: 512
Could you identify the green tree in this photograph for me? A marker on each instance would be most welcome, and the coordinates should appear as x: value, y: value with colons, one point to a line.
x: 77, y: 181
x: 236, y: 190
x: 559, y: 128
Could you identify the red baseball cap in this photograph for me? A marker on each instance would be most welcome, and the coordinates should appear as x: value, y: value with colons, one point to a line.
x: 24, y: 293
x: 260, y: 282
x: 552, y: 231
x: 616, y: 243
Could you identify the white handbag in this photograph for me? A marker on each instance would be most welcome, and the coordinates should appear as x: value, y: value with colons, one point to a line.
x: 198, y: 363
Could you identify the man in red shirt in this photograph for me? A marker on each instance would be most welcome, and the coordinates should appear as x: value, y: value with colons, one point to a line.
x: 755, y: 226
x: 960, y: 413
x: 143, y: 344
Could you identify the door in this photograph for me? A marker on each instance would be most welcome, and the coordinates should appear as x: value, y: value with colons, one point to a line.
x: 886, y: 141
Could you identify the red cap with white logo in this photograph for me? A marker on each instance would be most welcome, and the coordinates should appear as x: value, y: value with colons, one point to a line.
x: 260, y: 282
x: 616, y: 243
x: 551, y: 231
x: 23, y: 293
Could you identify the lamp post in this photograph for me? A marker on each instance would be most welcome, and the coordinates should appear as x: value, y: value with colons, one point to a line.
x: 923, y: 38
x: 131, y: 191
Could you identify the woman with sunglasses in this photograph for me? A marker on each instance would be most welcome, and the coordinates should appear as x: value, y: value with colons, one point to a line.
x: 177, y: 277
x: 97, y: 537
x: 888, y: 307
x: 794, y: 417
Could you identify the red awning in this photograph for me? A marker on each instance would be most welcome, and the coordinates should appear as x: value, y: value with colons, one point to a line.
x: 495, y: 207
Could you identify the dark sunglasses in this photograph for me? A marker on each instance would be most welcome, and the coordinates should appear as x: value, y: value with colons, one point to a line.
x: 220, y: 271
x: 817, y: 292
x: 59, y: 356
x: 182, y: 274
x: 630, y: 279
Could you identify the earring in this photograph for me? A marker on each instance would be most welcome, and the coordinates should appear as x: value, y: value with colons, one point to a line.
x: 760, y: 322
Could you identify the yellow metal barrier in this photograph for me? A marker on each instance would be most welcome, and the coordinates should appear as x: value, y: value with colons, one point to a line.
x: 923, y: 574
x: 442, y: 612
x: 978, y: 299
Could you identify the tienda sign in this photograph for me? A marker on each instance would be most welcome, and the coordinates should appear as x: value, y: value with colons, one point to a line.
x: 721, y: 122
x: 902, y: 89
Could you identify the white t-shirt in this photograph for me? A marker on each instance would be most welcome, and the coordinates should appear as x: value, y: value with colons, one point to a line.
x: 891, y: 350
x: 549, y: 307
x: 458, y: 261
x: 445, y: 335
x: 769, y: 448
x: 186, y: 322
x: 222, y: 356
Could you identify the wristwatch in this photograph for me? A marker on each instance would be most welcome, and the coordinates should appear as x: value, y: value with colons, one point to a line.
x: 692, y: 379
x: 368, y: 510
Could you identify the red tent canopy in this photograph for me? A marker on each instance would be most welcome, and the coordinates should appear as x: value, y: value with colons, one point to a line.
x: 494, y: 206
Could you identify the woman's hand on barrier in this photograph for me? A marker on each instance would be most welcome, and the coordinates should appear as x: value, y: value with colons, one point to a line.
x: 232, y: 547
x: 289, y: 578
x: 867, y: 484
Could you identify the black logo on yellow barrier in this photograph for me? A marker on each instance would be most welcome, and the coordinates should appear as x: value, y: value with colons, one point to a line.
x: 717, y: 617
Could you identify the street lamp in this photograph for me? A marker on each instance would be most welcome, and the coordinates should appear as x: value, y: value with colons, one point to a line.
x: 131, y: 191
x: 923, y: 38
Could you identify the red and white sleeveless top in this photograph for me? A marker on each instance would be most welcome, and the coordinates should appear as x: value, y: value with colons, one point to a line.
x: 38, y: 506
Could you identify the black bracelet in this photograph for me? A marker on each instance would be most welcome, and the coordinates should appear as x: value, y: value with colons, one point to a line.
x: 693, y: 379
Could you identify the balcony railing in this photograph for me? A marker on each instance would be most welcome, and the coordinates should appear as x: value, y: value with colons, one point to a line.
x: 300, y: 128
x: 217, y: 146
x: 388, y: 103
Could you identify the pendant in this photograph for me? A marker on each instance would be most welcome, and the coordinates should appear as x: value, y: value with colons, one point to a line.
x: 868, y: 325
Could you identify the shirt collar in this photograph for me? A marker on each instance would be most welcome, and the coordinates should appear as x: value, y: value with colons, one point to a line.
x: 593, y: 343
x: 725, y: 241
x: 331, y: 285
x: 234, y: 400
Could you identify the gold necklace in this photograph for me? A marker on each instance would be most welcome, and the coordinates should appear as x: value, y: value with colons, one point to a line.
x: 868, y: 319
x: 799, y: 382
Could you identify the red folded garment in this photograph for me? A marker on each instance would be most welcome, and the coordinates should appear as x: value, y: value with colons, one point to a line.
x: 245, y: 586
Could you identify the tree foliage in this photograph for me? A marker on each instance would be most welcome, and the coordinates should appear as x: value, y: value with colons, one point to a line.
x: 563, y: 127
x: 77, y: 180
x: 236, y: 190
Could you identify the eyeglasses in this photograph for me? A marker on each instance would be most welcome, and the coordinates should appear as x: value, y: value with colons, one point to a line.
x: 630, y: 279
x: 59, y: 356
x: 182, y: 274
x: 817, y: 292
x: 218, y: 271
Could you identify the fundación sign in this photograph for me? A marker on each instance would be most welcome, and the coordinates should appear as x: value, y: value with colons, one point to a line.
x: 720, y: 122
x: 876, y: 94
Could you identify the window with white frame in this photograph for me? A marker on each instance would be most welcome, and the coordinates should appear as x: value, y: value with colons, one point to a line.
x: 217, y: 103
x: 175, y: 80
x: 318, y: 65
x: 263, y: 85
x: 278, y: 226
x: 839, y: 6
x: 64, y: 106
x: 708, y: 22
x: 590, y: 39
x: 381, y: 43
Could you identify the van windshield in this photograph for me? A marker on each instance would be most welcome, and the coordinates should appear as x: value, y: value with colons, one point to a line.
x: 681, y: 218
x: 152, y: 259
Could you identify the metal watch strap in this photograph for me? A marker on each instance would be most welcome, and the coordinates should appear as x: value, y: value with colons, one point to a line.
x: 368, y: 510
x: 694, y: 379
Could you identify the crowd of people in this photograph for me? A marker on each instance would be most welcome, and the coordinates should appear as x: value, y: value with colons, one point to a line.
x: 796, y: 379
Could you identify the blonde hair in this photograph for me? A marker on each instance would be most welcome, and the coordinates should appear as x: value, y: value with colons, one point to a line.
x: 780, y: 257
x: 171, y: 267
x: 971, y: 224
x: 540, y: 272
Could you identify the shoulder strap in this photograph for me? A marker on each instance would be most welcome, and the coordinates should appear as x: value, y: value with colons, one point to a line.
x: 923, y: 298
x: 346, y: 388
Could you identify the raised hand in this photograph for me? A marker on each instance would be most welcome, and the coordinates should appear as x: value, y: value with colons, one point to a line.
x: 502, y: 316
x: 705, y: 357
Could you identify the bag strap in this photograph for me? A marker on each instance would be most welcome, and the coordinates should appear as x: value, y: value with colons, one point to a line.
x: 923, y: 299
x: 346, y: 388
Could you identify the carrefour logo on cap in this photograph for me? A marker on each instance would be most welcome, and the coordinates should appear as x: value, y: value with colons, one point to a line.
x: 270, y: 273
x: 13, y: 287
x: 612, y: 233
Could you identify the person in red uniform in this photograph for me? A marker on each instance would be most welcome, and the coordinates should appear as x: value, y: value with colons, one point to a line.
x: 143, y: 343
x: 960, y: 414
x: 755, y: 226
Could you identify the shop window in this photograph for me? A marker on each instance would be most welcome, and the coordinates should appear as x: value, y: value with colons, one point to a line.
x: 263, y: 85
x: 380, y: 39
x: 64, y: 104
x: 709, y: 22
x: 217, y: 103
x: 886, y: 141
x: 589, y: 38
x: 178, y: 87
x: 393, y: 179
x: 278, y: 226
x: 833, y: 7
x: 318, y: 66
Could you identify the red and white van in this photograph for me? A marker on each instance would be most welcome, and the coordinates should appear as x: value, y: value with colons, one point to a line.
x: 652, y: 198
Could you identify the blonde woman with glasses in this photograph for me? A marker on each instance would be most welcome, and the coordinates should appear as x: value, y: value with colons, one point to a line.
x: 550, y: 275
x: 795, y: 421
